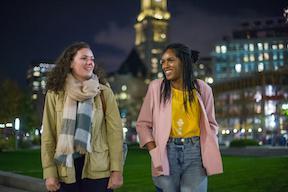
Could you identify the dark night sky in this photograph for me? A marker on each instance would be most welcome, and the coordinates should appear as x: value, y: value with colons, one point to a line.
x: 35, y: 30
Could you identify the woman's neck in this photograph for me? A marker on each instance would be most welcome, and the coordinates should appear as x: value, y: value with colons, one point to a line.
x: 177, y: 84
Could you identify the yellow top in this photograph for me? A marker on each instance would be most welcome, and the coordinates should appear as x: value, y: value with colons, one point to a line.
x: 184, y: 124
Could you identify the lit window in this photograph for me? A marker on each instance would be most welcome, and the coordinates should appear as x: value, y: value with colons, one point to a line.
x: 266, y: 56
x: 154, y: 65
x: 223, y: 49
x: 258, y: 109
x: 276, y: 66
x: 246, y: 47
x: 201, y: 66
x: 258, y: 96
x: 260, y: 46
x: 36, y: 74
x: 245, y: 58
x: 238, y: 67
x: 251, y: 47
x: 281, y: 46
x: 260, y: 67
x: 158, y: 16
x: 163, y: 36
x: 281, y: 56
x: 275, y: 56
x: 156, y: 51
x: 266, y: 46
x: 252, y: 58
x: 154, y: 70
x: 36, y: 68
x: 36, y: 83
x: 217, y: 49
x: 274, y: 47
x: 43, y: 83
x: 154, y: 60
x: 260, y: 57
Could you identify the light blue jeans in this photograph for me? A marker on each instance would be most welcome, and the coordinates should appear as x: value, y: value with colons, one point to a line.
x: 186, y: 170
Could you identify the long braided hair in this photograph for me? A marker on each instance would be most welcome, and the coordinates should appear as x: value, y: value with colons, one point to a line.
x: 187, y: 58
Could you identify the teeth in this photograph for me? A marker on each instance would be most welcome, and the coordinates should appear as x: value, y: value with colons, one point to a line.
x: 168, y: 72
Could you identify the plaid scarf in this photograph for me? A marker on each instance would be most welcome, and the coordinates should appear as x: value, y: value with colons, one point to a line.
x: 75, y: 135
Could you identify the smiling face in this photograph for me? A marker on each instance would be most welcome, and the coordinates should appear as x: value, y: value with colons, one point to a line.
x: 171, y: 66
x: 83, y: 64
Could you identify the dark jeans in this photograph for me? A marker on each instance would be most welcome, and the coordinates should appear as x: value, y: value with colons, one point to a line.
x: 85, y: 185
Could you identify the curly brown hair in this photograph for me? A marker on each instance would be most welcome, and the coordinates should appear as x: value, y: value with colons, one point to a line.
x: 56, y: 78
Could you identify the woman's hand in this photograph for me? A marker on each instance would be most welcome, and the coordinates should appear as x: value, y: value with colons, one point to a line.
x: 155, y: 157
x: 52, y: 184
x: 116, y: 180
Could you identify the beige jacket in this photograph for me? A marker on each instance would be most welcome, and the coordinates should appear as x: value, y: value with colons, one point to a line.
x: 107, y: 138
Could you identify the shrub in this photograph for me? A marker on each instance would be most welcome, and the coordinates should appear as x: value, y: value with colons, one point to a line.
x: 243, y: 143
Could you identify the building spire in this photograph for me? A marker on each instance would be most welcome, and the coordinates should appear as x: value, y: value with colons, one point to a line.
x: 152, y: 34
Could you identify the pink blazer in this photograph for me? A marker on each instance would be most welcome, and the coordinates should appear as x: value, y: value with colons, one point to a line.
x: 154, y: 124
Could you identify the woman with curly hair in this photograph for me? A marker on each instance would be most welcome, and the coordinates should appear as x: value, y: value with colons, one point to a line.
x: 81, y: 147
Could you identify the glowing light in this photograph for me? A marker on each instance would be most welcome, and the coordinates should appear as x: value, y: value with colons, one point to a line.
x: 260, y: 67
x: 160, y: 75
x: 209, y: 80
x: 17, y: 124
x: 217, y: 49
x: 285, y: 106
x: 9, y: 125
x: 238, y: 67
x: 235, y: 130
x: 259, y: 129
x: 36, y: 132
x: 223, y: 49
x: 124, y: 88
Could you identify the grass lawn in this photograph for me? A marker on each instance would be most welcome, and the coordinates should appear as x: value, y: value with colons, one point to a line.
x: 241, y: 174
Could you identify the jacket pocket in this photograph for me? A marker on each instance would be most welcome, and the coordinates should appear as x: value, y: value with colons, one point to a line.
x: 99, y: 160
x: 62, y: 171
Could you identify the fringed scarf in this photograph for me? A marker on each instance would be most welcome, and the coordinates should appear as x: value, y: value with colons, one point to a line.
x: 75, y: 135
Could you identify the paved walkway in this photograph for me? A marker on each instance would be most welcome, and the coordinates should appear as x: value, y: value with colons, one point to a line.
x: 8, y: 189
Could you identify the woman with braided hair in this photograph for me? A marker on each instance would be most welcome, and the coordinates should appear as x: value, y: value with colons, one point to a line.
x: 177, y: 125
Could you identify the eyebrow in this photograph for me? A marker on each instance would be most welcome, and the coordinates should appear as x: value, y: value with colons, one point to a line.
x: 88, y: 56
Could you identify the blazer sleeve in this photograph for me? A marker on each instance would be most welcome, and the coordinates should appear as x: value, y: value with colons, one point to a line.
x: 145, y: 119
x: 210, y: 109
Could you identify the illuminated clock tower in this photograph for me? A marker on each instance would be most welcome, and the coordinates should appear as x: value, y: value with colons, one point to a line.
x: 152, y: 34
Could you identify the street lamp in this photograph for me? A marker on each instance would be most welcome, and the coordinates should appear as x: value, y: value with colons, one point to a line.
x: 17, y: 128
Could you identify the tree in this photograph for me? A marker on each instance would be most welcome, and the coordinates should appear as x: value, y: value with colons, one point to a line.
x: 10, y: 99
x: 14, y: 103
